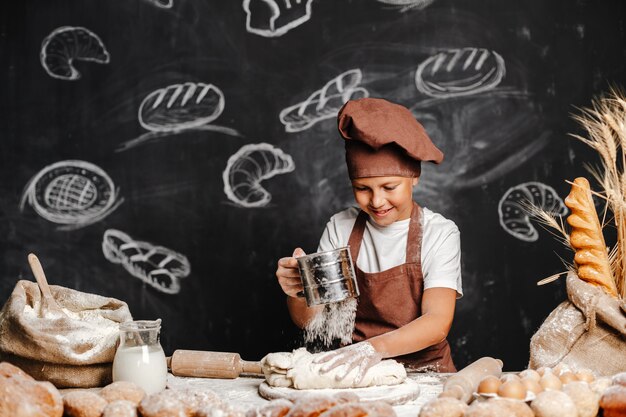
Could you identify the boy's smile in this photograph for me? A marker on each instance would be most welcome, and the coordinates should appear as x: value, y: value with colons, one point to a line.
x: 385, y: 199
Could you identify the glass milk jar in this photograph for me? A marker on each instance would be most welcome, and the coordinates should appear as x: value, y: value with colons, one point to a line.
x: 139, y: 357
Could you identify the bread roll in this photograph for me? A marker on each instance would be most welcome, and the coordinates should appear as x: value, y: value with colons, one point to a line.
x: 586, y: 238
x: 22, y: 396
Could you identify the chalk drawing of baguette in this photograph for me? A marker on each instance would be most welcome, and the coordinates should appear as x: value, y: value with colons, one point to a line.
x: 325, y: 102
x: 71, y: 193
x: 157, y: 266
x: 459, y: 72
x: 181, y: 106
x: 68, y: 44
x: 249, y: 166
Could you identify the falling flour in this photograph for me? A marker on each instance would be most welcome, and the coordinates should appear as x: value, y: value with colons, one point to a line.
x: 334, y: 322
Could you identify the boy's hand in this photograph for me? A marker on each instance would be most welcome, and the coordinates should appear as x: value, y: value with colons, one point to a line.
x: 288, y: 274
x: 361, y: 355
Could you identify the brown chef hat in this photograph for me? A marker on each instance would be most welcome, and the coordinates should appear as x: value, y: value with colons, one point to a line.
x: 383, y: 139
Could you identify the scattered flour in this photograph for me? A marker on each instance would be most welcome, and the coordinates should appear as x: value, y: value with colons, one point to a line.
x: 335, y: 321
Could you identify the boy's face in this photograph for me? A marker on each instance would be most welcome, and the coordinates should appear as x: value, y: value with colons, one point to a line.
x: 385, y: 199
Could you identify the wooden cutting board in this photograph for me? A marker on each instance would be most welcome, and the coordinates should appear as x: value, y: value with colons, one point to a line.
x: 391, y: 394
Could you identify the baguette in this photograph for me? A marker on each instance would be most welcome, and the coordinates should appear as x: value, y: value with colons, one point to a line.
x: 586, y: 238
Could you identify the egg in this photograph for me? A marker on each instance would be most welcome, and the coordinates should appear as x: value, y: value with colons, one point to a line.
x: 585, y: 375
x: 543, y: 369
x: 489, y: 385
x: 512, y: 389
x: 509, y: 377
x: 560, y: 369
x: 550, y: 381
x: 532, y: 385
x: 531, y: 374
x: 567, y: 377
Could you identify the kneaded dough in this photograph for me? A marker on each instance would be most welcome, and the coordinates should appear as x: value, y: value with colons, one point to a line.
x: 297, y: 370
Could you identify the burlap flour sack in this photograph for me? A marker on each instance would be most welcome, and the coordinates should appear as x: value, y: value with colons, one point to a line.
x: 72, y: 348
x: 588, y: 331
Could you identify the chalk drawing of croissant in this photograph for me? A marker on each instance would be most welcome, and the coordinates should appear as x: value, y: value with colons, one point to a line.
x: 181, y: 106
x: 249, y: 166
x: 325, y: 102
x: 68, y: 44
x: 273, y: 18
x: 460, y: 72
x: 513, y: 213
x: 72, y: 193
x: 160, y: 267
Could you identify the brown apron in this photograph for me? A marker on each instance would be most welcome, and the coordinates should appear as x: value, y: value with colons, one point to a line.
x: 390, y: 299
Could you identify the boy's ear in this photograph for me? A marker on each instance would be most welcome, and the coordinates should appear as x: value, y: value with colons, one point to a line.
x: 415, y: 181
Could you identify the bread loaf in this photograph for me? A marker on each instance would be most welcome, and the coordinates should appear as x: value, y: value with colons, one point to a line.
x: 586, y: 238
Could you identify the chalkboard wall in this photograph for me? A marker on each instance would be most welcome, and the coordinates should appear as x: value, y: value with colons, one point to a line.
x: 169, y: 152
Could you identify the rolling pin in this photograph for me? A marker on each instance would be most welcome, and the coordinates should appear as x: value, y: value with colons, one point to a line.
x: 204, y: 364
x: 465, y: 382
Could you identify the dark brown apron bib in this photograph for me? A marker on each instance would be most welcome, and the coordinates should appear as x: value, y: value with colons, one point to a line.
x: 390, y: 299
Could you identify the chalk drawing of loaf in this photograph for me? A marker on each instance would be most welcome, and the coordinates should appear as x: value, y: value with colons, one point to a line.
x: 325, y: 102
x: 72, y: 193
x: 249, y: 166
x: 160, y: 267
x: 273, y: 18
x: 513, y: 208
x: 459, y: 72
x: 68, y: 44
x: 405, y: 5
x: 178, y: 108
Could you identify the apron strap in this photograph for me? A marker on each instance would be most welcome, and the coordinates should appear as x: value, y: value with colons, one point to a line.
x: 414, y: 239
x: 356, y: 236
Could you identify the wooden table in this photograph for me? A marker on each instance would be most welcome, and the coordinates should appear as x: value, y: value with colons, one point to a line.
x: 243, y: 391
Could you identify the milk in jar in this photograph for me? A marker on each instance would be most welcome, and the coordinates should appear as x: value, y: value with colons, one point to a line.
x: 139, y: 357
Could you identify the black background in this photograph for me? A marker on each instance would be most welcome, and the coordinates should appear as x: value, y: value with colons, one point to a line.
x: 558, y: 54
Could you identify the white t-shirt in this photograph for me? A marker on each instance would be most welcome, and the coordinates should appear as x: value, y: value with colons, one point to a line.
x: 384, y: 247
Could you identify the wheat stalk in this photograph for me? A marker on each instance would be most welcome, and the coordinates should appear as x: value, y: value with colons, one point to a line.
x: 605, y: 123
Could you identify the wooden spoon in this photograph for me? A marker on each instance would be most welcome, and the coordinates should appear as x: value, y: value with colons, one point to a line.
x: 48, y: 303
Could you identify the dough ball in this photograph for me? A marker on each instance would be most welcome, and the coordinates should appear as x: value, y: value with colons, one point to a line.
x: 549, y: 381
x: 123, y: 390
x: 489, y: 385
x: 542, y: 370
x: 311, y: 405
x: 587, y: 402
x: 443, y: 407
x: 512, y: 389
x: 83, y: 404
x: 509, y: 377
x: 162, y: 404
x: 530, y: 374
x: 275, y: 408
x: 553, y: 404
x: 600, y: 385
x: 499, y: 407
x: 560, y: 369
x: 373, y: 409
x: 120, y: 408
x: 613, y: 401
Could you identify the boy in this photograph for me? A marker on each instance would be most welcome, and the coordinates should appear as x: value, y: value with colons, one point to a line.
x: 407, y: 258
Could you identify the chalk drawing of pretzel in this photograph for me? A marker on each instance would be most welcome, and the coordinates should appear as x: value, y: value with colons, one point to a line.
x: 324, y: 103
x: 160, y: 267
x: 67, y: 44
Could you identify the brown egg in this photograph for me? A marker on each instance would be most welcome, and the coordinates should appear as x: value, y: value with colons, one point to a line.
x: 550, y: 381
x: 512, y: 389
x: 585, y: 375
x: 489, y: 385
x: 532, y: 385
x: 509, y: 377
x: 530, y: 374
x: 567, y: 376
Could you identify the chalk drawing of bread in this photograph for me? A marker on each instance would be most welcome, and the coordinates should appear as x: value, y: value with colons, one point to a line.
x: 68, y: 44
x: 162, y: 4
x: 273, y: 18
x: 181, y: 106
x: 325, y: 102
x: 459, y: 72
x: 157, y: 266
x: 249, y: 166
x: 513, y: 208
x: 72, y: 193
